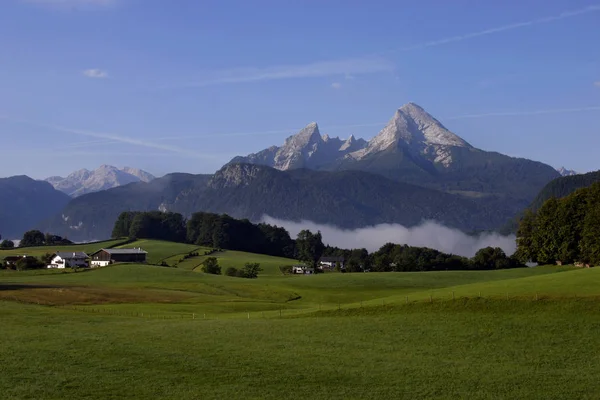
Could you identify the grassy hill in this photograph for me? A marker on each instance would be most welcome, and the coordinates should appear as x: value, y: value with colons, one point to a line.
x: 143, y: 331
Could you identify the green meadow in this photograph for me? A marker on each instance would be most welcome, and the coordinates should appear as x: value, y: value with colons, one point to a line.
x: 144, y: 331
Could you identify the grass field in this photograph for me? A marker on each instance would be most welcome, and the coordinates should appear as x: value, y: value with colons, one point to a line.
x: 142, y: 331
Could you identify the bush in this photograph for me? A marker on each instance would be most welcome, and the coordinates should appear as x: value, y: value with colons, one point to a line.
x: 240, y: 273
x: 286, y: 269
x: 231, y: 271
x: 29, y: 262
x: 211, y: 266
x: 251, y: 270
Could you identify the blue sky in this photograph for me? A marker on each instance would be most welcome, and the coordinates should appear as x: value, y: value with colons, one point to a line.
x: 186, y: 85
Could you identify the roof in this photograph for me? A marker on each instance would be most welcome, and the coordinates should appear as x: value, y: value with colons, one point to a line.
x: 13, y: 258
x: 331, y: 259
x: 71, y: 254
x: 123, y: 251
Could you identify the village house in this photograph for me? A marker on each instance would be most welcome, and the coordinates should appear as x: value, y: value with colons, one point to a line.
x: 329, y: 263
x: 12, y: 260
x: 104, y: 257
x: 67, y: 259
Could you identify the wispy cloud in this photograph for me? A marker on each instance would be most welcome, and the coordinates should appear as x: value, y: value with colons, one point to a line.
x: 597, y: 83
x: 358, y: 66
x: 527, y: 113
x: 336, y: 85
x: 72, y: 3
x: 95, y: 73
x: 111, y: 137
x: 504, y: 28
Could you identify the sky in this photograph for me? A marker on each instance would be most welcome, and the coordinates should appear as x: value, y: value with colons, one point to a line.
x: 186, y: 85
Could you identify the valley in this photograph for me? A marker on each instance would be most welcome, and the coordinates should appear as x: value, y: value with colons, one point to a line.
x: 213, y: 336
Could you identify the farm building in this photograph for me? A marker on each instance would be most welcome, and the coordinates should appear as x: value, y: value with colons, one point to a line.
x: 104, y: 257
x: 12, y: 260
x: 66, y: 259
x: 329, y: 263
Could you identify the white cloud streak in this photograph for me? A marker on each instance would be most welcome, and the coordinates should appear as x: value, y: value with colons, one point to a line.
x: 428, y: 234
x: 358, y: 66
x: 336, y: 85
x: 527, y: 113
x: 510, y: 27
x: 111, y: 137
x: 72, y: 3
x: 95, y: 73
x: 597, y: 83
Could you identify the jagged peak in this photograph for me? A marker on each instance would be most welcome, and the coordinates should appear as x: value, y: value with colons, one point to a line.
x: 309, y: 134
x: 325, y: 138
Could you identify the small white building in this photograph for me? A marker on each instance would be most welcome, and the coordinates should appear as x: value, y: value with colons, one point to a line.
x: 66, y: 259
x: 303, y: 269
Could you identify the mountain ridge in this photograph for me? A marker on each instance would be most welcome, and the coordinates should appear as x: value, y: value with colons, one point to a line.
x: 104, y: 177
x: 416, y: 148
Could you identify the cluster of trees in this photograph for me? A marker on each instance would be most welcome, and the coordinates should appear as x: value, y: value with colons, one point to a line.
x: 565, y: 230
x: 150, y: 225
x: 403, y: 258
x: 36, y: 238
x: 206, y: 229
x: 6, y: 244
x: 250, y: 270
x: 222, y: 231
x: 225, y: 232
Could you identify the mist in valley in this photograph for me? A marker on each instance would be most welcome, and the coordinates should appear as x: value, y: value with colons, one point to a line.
x: 429, y: 234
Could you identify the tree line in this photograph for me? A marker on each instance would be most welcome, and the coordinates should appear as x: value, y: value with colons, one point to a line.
x: 562, y: 231
x: 36, y: 238
x: 225, y: 232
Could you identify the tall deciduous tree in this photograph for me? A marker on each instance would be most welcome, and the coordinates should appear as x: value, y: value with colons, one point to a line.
x: 7, y: 244
x: 310, y: 247
x: 33, y: 238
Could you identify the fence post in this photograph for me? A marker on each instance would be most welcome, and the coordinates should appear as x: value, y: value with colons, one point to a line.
x: 430, y: 298
x: 453, y: 295
x: 479, y: 294
x: 193, y: 316
x: 248, y: 315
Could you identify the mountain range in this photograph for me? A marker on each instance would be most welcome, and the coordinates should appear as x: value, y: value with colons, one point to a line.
x: 347, y: 199
x: 416, y: 148
x: 415, y: 169
x: 105, y: 177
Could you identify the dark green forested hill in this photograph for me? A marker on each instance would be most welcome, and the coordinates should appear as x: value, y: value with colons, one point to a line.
x: 559, y: 188
x: 348, y: 199
x: 564, y: 230
x: 24, y: 202
x: 564, y: 186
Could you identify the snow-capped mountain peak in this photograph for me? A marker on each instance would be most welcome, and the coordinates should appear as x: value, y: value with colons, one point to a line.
x: 104, y: 177
x: 566, y: 172
x: 419, y: 132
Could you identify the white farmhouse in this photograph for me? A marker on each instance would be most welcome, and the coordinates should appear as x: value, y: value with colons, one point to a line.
x: 66, y: 259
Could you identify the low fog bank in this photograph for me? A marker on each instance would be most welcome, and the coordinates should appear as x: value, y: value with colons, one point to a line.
x: 428, y: 234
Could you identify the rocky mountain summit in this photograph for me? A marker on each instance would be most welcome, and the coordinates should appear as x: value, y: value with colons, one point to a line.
x: 566, y: 172
x: 105, y: 177
x: 415, y: 148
